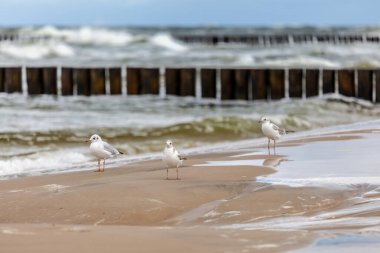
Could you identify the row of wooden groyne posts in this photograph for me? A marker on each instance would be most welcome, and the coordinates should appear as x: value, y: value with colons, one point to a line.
x: 252, y: 39
x: 212, y: 83
x: 265, y: 39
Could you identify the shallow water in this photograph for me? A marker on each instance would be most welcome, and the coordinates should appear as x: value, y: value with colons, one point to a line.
x: 46, y: 134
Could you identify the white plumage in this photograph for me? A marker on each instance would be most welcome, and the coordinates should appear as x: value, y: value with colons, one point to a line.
x: 102, y: 150
x: 271, y: 131
x: 171, y: 157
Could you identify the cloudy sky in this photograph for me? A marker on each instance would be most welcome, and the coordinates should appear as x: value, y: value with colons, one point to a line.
x: 190, y: 12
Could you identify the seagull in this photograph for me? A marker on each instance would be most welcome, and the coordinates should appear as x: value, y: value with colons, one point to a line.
x: 271, y: 131
x: 171, y: 157
x: 102, y: 150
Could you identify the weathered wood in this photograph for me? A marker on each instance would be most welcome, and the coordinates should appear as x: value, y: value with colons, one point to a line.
x: 12, y: 80
x: 115, y: 81
x: 133, y: 79
x: 365, y: 84
x: 83, y: 81
x: 187, y: 82
x: 377, y: 83
x: 312, y: 82
x: 277, y: 83
x: 67, y: 81
x: 260, y: 84
x: 1, y: 79
x: 149, y: 81
x: 208, y: 81
x: 241, y: 82
x: 227, y: 83
x: 49, y: 79
x: 346, y: 79
x: 34, y: 81
x: 98, y: 81
x: 328, y: 81
x: 295, y: 83
x: 172, y: 81
x: 143, y: 81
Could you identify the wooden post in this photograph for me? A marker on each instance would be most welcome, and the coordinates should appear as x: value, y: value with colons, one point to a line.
x: 12, y: 80
x: 259, y: 84
x: 172, y: 80
x: 187, y: 82
x: 346, y: 79
x: 1, y: 79
x: 98, y: 81
x: 208, y: 80
x: 241, y: 81
x: 49, y: 79
x: 277, y: 83
x: 312, y: 82
x: 133, y: 79
x: 377, y: 87
x: 83, y: 81
x: 295, y: 83
x: 34, y: 81
x: 228, y: 84
x: 67, y: 82
x: 149, y: 81
x: 115, y: 81
x: 365, y: 84
x: 328, y: 81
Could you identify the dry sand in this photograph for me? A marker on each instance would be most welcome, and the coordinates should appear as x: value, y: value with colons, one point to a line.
x: 134, y: 209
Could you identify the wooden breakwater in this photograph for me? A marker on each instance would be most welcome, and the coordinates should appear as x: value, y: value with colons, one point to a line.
x: 212, y: 83
x: 255, y: 39
x: 272, y: 39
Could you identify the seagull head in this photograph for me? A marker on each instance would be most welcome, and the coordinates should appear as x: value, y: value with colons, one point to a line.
x: 94, y: 138
x: 264, y: 120
x: 169, y: 144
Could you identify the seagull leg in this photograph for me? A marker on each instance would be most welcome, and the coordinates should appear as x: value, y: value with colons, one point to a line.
x: 104, y: 164
x: 98, y: 170
x: 177, y: 172
x: 274, y: 147
x: 167, y: 173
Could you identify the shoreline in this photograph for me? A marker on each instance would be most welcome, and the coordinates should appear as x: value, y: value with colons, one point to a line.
x: 213, y: 208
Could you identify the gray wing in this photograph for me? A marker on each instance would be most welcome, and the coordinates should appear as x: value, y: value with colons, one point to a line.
x: 178, y: 154
x: 280, y: 130
x: 110, y: 149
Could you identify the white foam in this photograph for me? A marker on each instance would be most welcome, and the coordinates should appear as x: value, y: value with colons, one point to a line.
x: 42, y: 162
x: 167, y: 41
x: 302, y: 223
x: 37, y: 50
x: 88, y: 35
x: 320, y: 181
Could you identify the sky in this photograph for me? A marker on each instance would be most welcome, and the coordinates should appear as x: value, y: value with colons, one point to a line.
x: 190, y: 12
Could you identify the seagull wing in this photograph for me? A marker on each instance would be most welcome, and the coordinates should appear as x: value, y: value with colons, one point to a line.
x: 280, y: 130
x: 176, y: 153
x: 111, y: 149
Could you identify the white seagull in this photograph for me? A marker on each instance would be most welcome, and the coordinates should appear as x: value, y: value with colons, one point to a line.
x: 171, y: 157
x: 102, y: 150
x: 271, y: 131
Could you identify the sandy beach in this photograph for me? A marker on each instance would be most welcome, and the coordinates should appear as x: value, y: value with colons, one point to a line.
x: 215, y: 207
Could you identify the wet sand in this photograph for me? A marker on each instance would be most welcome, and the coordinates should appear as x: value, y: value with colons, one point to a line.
x: 211, y: 209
